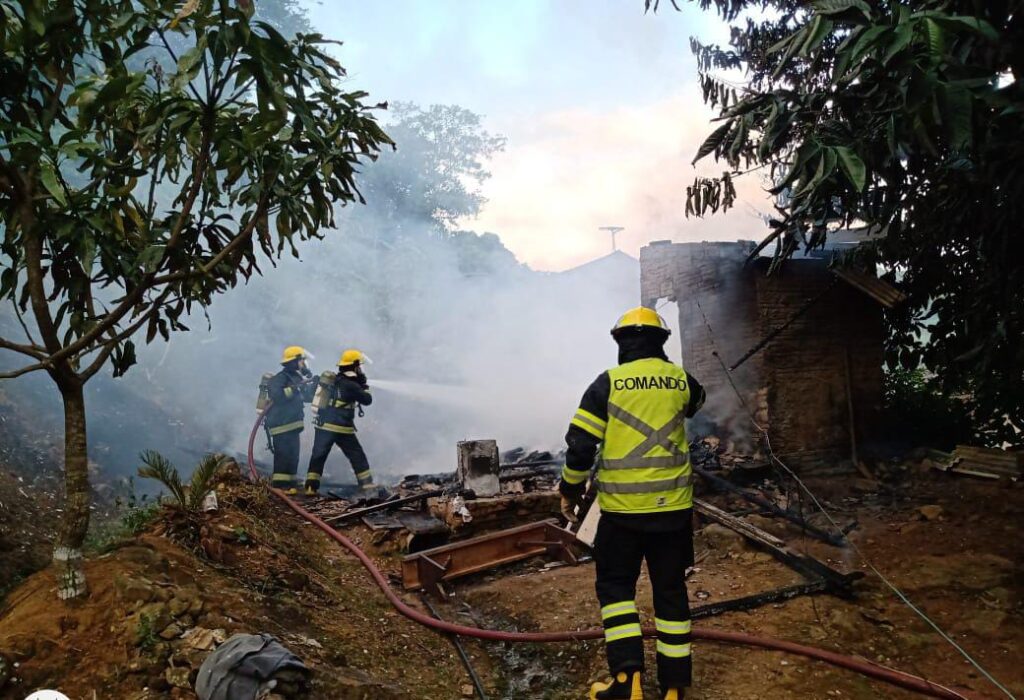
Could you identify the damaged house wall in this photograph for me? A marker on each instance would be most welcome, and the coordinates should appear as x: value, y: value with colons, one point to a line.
x: 797, y: 385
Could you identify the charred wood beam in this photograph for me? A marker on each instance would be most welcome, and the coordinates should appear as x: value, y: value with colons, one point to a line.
x: 725, y: 484
x: 758, y: 599
x: 837, y: 582
x: 386, y: 505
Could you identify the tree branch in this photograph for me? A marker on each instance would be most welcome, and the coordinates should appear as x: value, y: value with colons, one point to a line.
x: 175, y: 57
x: 243, y: 235
x: 14, y: 374
x: 33, y: 350
x: 98, y: 363
x: 149, y: 280
x: 24, y: 327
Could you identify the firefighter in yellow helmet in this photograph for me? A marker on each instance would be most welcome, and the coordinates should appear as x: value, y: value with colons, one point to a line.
x: 335, y: 423
x: 632, y: 420
x: 288, y: 390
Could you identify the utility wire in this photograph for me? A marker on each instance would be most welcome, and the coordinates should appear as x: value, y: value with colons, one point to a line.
x: 899, y: 593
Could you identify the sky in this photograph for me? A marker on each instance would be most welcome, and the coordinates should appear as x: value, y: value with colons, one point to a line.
x: 600, y: 104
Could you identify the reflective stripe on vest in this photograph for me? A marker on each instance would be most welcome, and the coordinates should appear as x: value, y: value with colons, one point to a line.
x: 645, y: 462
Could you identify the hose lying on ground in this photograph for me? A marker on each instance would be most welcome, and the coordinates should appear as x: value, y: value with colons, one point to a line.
x: 882, y: 673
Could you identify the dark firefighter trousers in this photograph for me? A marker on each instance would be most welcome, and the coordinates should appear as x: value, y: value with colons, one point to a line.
x: 619, y: 550
x: 349, y: 444
x: 286, y: 459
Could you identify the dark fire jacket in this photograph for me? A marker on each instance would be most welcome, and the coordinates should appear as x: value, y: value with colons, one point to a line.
x: 339, y: 415
x: 288, y: 390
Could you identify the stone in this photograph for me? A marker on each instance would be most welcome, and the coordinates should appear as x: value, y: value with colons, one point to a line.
x: 774, y: 526
x: 203, y: 638
x: 467, y: 690
x: 177, y: 607
x: 722, y: 538
x: 171, y: 631
x: 192, y: 658
x: 178, y: 677
x: 984, y: 623
x: 135, y: 591
x: 970, y: 571
x: 930, y: 513
x: 157, y: 614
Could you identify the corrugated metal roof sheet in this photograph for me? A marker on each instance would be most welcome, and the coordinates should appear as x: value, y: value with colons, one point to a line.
x: 882, y: 292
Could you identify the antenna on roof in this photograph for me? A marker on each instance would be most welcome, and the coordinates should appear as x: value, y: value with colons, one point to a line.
x: 612, y: 230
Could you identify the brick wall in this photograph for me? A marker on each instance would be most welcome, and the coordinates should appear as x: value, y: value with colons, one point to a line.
x: 806, y: 364
x: 797, y: 385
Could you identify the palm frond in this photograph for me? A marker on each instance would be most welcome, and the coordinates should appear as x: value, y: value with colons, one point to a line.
x: 160, y: 468
x: 202, y: 478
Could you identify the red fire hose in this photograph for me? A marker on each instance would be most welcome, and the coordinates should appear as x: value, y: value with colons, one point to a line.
x: 882, y: 673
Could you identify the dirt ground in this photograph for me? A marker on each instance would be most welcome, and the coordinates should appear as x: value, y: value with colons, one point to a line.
x: 257, y: 568
x: 963, y: 568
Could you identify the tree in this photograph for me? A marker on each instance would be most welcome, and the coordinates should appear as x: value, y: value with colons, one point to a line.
x: 433, y: 177
x: 904, y: 117
x: 249, y: 129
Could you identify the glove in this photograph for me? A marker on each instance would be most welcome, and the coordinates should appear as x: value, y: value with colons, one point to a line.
x: 568, y: 508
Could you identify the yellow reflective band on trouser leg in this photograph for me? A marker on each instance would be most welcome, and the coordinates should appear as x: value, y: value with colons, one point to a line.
x: 623, y: 608
x: 335, y: 428
x: 364, y: 477
x: 614, y: 634
x: 286, y: 427
x: 574, y: 476
x: 672, y: 626
x: 281, y: 478
x: 673, y: 651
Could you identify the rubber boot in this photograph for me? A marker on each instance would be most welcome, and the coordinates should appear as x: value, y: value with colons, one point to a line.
x: 626, y: 685
x: 673, y: 694
x: 311, y: 491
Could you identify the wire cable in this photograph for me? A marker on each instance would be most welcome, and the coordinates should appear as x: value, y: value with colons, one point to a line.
x: 896, y: 590
x: 892, y: 676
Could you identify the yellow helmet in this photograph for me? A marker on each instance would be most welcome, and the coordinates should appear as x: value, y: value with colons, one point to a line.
x: 641, y: 317
x: 295, y: 352
x: 350, y: 357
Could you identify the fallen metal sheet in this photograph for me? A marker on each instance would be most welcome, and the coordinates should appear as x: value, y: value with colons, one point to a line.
x: 382, y: 521
x: 879, y: 290
x: 420, y: 523
x: 427, y: 569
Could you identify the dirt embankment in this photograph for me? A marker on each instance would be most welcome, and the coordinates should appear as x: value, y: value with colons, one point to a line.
x: 157, y: 608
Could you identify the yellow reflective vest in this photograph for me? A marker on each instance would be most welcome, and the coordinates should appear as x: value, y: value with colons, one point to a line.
x: 644, y: 462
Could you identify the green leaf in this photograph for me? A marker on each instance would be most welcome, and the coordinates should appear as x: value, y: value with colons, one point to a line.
x: 835, y: 7
x: 88, y: 254
x: 713, y: 141
x: 955, y: 22
x: 820, y: 29
x: 957, y: 110
x: 48, y: 175
x: 853, y: 167
x: 151, y: 257
x: 901, y: 39
x: 936, y: 39
x: 189, y: 64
